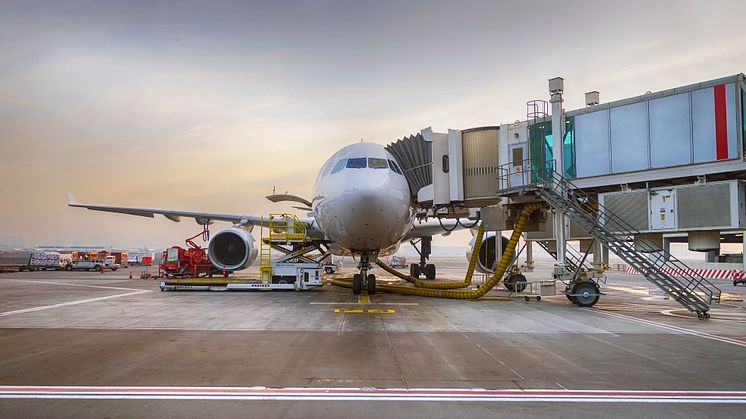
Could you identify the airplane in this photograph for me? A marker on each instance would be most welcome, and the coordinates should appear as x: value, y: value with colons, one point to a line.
x: 362, y: 207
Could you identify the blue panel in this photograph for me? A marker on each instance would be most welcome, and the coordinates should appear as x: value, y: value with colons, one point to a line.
x: 703, y: 124
x: 670, y: 131
x: 629, y: 138
x: 592, y: 143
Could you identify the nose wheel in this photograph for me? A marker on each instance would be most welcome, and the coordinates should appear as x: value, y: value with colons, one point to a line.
x: 371, y: 279
x: 364, y: 280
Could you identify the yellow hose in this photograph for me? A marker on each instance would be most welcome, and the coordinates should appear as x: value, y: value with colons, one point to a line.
x: 505, y: 260
x: 443, y: 284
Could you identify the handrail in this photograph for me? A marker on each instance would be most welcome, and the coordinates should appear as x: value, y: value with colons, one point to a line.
x: 621, y: 229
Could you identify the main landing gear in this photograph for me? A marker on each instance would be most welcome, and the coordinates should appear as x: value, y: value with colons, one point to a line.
x: 364, y: 279
x: 428, y: 269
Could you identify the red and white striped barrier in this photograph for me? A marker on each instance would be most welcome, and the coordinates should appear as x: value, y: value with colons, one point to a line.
x: 705, y: 273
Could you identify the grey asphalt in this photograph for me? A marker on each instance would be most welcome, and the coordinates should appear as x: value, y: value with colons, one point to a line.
x: 90, y: 329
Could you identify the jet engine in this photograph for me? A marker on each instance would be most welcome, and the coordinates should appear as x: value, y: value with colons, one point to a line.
x: 488, y: 252
x: 232, y: 249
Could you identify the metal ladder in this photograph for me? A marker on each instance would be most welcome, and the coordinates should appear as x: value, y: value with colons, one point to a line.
x: 676, y: 279
x: 573, y: 259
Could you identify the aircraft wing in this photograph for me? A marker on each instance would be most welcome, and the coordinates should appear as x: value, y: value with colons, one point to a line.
x: 201, y: 218
x: 433, y: 227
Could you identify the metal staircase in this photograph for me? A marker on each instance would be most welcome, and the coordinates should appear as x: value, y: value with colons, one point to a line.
x: 670, y: 274
x: 573, y: 259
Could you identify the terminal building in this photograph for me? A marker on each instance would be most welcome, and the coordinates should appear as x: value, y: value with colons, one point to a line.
x: 669, y: 165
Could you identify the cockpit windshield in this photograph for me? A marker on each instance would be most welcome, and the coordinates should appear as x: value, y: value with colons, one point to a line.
x: 375, y: 163
x: 339, y: 166
x: 369, y: 162
x: 356, y: 163
x: 395, y: 167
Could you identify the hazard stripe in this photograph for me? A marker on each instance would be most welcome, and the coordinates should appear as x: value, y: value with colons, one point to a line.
x: 705, y: 273
x: 721, y: 123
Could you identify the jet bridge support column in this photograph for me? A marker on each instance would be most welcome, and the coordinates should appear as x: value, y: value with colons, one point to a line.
x: 743, y: 251
x: 556, y: 87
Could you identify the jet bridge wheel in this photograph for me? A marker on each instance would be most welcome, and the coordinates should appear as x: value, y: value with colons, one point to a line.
x: 357, y: 284
x: 371, y: 284
x: 570, y: 297
x: 586, y: 293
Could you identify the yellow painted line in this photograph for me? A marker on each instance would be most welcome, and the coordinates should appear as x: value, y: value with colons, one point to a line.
x: 364, y: 311
x: 362, y: 299
x: 637, y: 291
x: 339, y: 303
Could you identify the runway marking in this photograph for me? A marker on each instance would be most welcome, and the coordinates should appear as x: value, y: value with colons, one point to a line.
x: 362, y: 299
x: 70, y: 303
x: 674, y: 328
x: 74, y: 285
x: 338, y: 303
x: 367, y: 311
x: 371, y: 393
x: 631, y: 290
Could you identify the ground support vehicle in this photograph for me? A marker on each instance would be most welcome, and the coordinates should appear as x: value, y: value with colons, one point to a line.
x: 93, y: 264
x: 42, y: 261
x: 398, y: 262
x: 192, y: 261
x: 12, y: 261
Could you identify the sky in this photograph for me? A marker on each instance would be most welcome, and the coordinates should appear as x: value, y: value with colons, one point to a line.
x: 210, y: 105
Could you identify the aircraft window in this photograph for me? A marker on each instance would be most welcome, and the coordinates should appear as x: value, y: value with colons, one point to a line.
x: 374, y: 163
x: 356, y: 163
x: 339, y: 166
x: 395, y: 167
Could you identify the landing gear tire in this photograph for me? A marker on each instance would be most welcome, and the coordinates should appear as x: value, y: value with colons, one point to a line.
x: 429, y: 271
x: 371, y: 284
x: 414, y: 270
x: 586, y: 293
x: 515, y: 282
x: 357, y: 284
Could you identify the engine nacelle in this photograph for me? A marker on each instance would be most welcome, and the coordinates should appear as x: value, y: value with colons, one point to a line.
x: 232, y: 249
x: 488, y: 252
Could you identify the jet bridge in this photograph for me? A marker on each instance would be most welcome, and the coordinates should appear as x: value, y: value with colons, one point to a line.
x: 666, y: 162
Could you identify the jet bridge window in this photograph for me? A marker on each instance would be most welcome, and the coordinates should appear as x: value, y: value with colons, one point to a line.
x: 375, y: 163
x: 339, y: 166
x: 356, y: 163
x: 395, y: 167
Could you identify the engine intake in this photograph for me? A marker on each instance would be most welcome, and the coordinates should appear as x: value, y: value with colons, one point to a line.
x: 232, y: 249
x: 488, y: 253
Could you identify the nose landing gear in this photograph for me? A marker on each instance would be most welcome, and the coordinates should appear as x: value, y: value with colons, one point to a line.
x: 364, y: 279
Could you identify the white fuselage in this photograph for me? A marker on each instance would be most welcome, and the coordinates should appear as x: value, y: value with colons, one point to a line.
x: 362, y: 201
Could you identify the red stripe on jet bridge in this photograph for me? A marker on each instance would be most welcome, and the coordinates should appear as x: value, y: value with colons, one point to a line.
x: 721, y: 125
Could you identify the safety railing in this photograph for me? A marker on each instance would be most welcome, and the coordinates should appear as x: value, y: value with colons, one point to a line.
x: 669, y: 273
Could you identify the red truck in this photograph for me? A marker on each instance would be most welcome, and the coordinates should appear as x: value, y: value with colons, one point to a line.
x: 191, y: 261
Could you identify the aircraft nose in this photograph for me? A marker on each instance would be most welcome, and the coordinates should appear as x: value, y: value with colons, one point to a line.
x: 375, y: 217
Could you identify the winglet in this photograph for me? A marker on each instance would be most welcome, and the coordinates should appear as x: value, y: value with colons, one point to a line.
x: 71, y: 201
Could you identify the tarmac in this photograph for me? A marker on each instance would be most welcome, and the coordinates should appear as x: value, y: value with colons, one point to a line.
x: 85, y: 344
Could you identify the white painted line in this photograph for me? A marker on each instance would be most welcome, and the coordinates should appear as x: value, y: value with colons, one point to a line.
x: 70, y: 303
x: 73, y: 285
x: 374, y: 394
x: 673, y: 328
